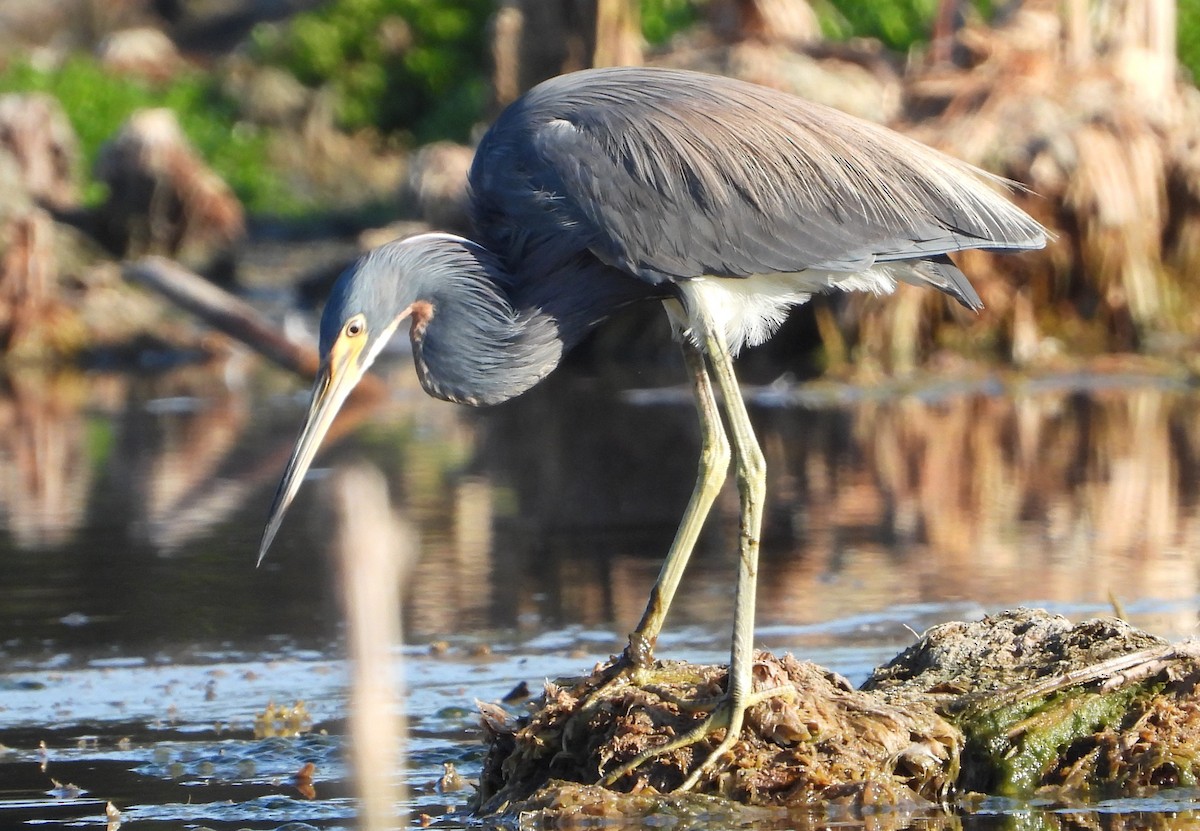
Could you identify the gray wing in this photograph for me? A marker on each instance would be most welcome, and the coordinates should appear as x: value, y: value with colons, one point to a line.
x: 669, y: 175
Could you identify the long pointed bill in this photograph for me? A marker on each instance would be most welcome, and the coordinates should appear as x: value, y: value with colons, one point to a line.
x: 347, y: 362
x: 337, y: 376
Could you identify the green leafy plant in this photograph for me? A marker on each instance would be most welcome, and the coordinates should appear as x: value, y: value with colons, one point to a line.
x: 418, y: 66
x: 663, y: 18
x: 97, y: 103
x: 898, y: 24
x: 1188, y: 16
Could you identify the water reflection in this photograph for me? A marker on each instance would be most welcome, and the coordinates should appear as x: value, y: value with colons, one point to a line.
x: 132, y: 507
x: 1048, y: 494
x: 125, y: 498
x: 45, y: 472
x: 1054, y: 496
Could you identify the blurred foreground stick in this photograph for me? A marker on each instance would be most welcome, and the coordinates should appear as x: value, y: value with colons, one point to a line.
x: 231, y: 315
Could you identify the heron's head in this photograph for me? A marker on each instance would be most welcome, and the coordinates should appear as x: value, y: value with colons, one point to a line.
x: 469, y: 345
x: 368, y: 303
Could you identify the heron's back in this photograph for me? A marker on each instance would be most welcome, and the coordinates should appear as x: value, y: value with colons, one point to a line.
x: 669, y: 174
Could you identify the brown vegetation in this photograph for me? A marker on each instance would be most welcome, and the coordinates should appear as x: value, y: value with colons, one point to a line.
x: 163, y: 198
x: 36, y: 135
x: 1016, y: 702
x: 35, y: 320
x: 533, y: 40
x: 791, y: 22
x: 144, y: 52
x: 1085, y: 109
x: 436, y: 185
x: 1090, y: 112
x: 39, y: 160
x: 818, y: 739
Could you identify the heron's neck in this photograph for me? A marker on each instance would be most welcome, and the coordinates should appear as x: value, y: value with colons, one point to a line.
x: 471, y: 345
x: 493, y: 331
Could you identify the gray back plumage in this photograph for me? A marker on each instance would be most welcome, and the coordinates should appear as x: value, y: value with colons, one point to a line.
x: 668, y: 175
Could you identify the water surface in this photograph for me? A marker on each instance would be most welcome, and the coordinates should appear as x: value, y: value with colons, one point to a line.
x: 138, y: 642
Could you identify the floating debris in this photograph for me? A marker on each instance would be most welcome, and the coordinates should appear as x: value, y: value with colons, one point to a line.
x: 65, y: 790
x: 518, y: 693
x: 286, y: 722
x: 450, y: 780
x: 303, y: 780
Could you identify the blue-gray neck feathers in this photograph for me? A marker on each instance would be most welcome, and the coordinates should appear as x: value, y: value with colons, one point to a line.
x: 480, y: 333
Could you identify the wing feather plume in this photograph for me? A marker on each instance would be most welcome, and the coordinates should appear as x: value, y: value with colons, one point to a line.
x: 669, y: 175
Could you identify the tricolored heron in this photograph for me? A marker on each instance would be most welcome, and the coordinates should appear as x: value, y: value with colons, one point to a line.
x: 726, y: 201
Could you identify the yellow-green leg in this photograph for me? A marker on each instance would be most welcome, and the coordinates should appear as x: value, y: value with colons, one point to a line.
x: 729, y: 713
x: 714, y: 466
x: 752, y: 487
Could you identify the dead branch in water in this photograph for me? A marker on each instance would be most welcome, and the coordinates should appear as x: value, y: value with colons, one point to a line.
x: 230, y: 314
x: 223, y: 311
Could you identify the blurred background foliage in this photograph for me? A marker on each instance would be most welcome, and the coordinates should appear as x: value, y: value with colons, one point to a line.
x: 418, y: 66
x: 1189, y: 36
x: 414, y: 66
x: 98, y: 103
x: 421, y: 66
x: 663, y: 18
x: 898, y: 24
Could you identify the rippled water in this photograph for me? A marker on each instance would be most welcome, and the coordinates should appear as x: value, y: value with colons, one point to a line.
x: 138, y: 642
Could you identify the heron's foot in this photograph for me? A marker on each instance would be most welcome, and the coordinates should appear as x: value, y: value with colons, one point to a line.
x: 633, y: 665
x: 632, y: 668
x: 725, y: 714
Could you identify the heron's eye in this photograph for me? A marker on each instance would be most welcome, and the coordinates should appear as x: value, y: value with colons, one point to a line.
x: 355, y: 327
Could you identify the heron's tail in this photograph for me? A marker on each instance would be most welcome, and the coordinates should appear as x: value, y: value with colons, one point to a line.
x: 944, y: 276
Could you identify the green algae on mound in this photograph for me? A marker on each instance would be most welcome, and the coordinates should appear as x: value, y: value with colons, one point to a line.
x: 1093, y: 707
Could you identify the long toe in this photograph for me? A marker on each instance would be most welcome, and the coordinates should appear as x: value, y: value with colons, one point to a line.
x: 698, y: 751
x: 725, y: 717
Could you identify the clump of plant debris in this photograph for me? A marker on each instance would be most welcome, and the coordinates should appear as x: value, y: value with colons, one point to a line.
x: 1097, y: 706
x: 817, y: 740
x: 1014, y: 704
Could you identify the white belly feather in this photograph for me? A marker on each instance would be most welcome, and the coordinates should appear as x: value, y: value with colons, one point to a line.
x: 748, y: 310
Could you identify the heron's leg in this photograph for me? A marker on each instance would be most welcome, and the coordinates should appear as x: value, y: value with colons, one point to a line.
x: 729, y: 713
x: 752, y: 486
x: 714, y: 466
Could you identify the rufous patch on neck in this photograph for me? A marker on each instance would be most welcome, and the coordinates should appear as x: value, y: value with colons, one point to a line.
x: 421, y: 312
